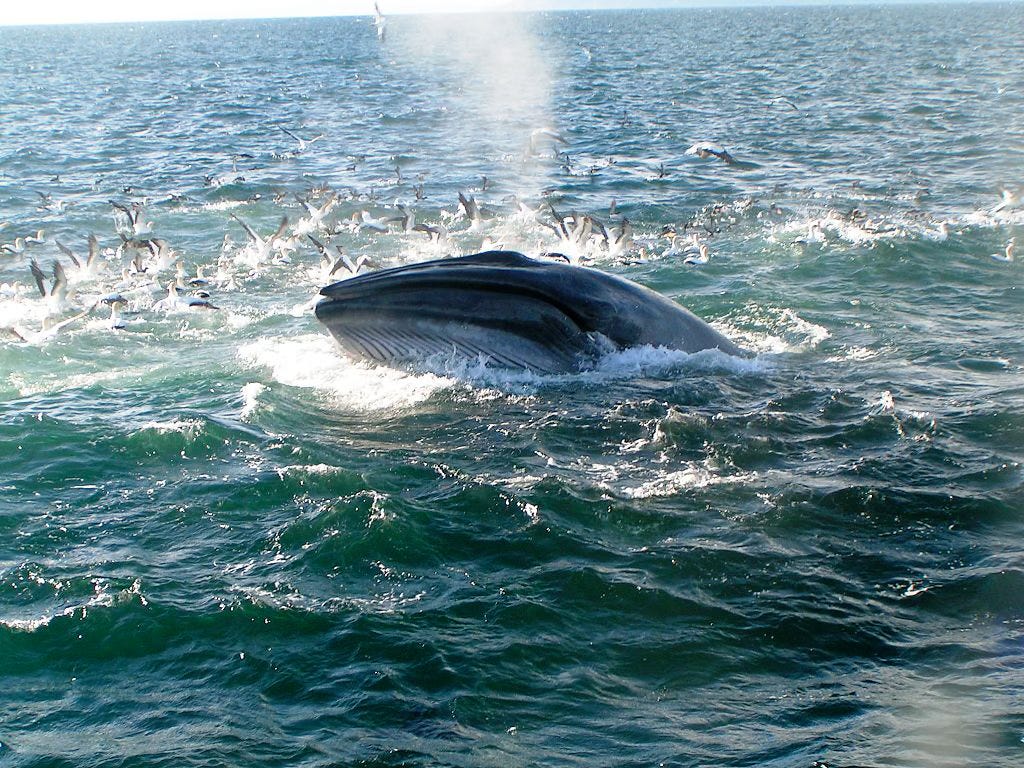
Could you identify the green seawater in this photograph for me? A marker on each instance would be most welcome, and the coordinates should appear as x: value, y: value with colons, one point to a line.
x: 222, y: 543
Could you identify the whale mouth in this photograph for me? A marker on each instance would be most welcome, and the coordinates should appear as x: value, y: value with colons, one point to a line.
x: 500, y: 307
x: 403, y: 326
x: 471, y: 308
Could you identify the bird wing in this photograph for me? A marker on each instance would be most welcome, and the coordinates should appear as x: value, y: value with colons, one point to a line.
x: 123, y: 208
x: 40, y: 278
x: 60, y: 281
x: 94, y: 249
x: 248, y: 230
x: 319, y: 246
x: 469, y: 205
x: 69, y: 253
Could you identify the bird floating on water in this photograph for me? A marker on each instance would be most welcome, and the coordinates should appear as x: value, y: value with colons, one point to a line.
x: 700, y: 258
x: 175, y: 301
x: 15, y: 248
x: 1007, y: 254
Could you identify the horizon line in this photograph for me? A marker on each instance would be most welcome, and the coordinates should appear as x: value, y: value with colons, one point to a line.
x: 555, y: 6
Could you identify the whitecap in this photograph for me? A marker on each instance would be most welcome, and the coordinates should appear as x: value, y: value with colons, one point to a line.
x: 313, y: 361
x: 250, y: 398
x: 188, y: 427
x: 36, y: 385
x: 102, y: 597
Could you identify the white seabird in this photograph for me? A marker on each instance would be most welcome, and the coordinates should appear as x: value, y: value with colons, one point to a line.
x: 303, y: 143
x: 700, y: 259
x: 379, y: 22
x: 815, y: 234
x: 174, y: 301
x: 776, y: 100
x: 363, y: 220
x: 161, y: 253
x: 261, y: 246
x: 116, y: 302
x: 316, y: 214
x: 623, y: 239
x: 130, y: 222
x: 329, y: 265
x: 49, y: 330
x: 54, y: 292
x: 471, y: 210
x: 87, y: 266
x: 436, y: 234
x: 406, y: 218
x: 1006, y: 255
x: 16, y: 248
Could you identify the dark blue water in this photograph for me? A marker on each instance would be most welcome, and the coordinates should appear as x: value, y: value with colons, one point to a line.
x: 224, y: 543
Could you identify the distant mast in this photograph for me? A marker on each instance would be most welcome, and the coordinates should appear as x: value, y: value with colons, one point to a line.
x: 379, y: 21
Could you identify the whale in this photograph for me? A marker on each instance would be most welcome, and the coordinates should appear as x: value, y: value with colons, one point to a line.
x: 508, y: 310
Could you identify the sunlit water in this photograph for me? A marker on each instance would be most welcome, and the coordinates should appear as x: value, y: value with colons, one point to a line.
x: 223, y: 543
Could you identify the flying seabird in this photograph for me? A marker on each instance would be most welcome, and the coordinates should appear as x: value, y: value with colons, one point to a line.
x: 407, y: 219
x: 434, y: 232
x: 316, y: 213
x: 129, y: 221
x: 49, y: 329
x: 330, y: 266
x: 54, y: 292
x: 303, y: 143
x: 471, y: 210
x: 776, y: 100
x: 705, y: 149
x: 161, y: 253
x: 87, y: 266
x: 542, y: 136
x: 379, y: 21
x: 363, y: 220
x: 262, y: 246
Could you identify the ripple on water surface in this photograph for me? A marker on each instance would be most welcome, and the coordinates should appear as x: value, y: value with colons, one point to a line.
x: 222, y: 542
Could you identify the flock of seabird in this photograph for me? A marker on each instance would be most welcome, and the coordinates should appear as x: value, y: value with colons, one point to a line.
x: 142, y: 266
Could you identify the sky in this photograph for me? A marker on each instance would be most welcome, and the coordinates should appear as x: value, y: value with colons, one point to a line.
x: 85, y: 11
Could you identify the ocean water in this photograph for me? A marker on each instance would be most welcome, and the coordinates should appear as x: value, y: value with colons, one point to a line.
x: 222, y: 543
